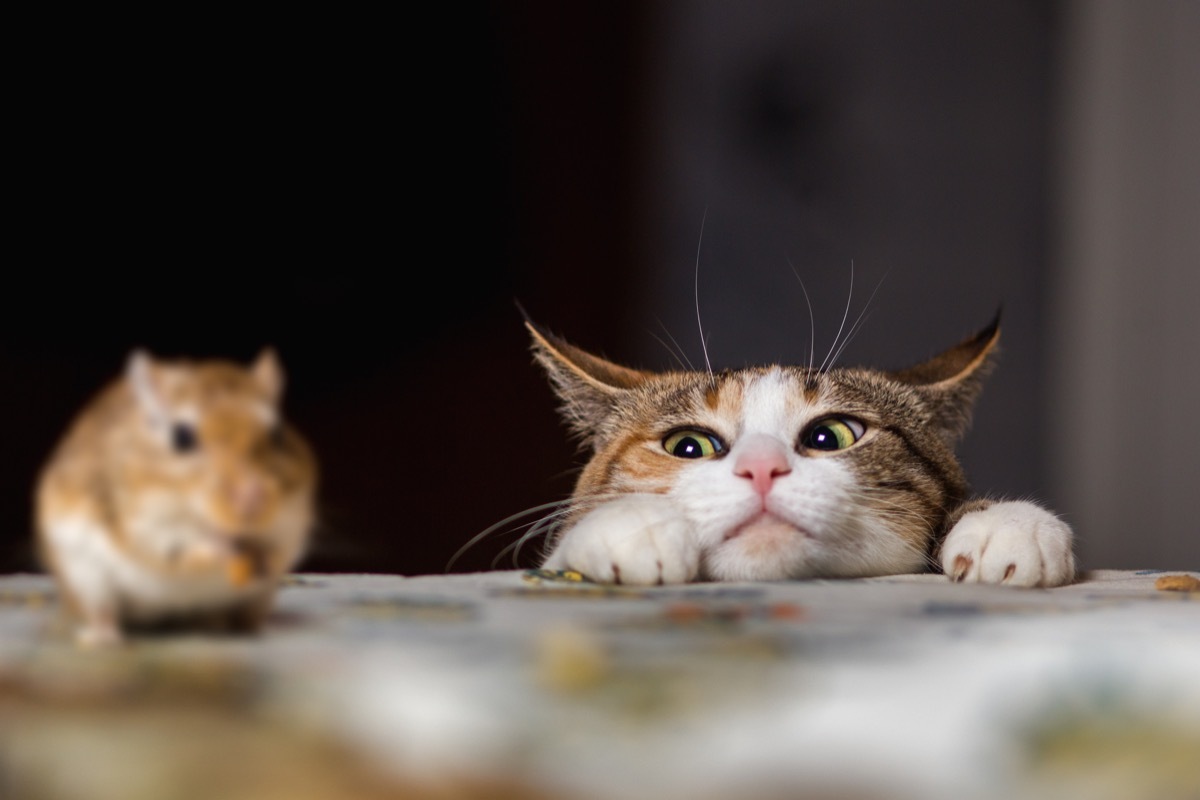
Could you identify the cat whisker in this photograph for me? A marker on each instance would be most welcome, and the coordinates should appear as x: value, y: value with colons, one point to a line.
x: 546, y: 526
x: 863, y: 316
x: 872, y: 495
x: 549, y: 524
x: 906, y: 516
x: 849, y: 336
x: 676, y: 352
x: 842, y: 327
x: 871, y: 563
x: 558, y: 509
x: 696, y: 292
x: 515, y: 545
x: 812, y: 321
x: 491, y: 529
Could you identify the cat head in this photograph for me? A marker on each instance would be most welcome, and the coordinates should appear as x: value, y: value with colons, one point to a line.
x: 857, y: 464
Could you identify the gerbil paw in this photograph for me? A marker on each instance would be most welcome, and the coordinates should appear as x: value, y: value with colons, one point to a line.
x: 1014, y: 543
x: 640, y: 540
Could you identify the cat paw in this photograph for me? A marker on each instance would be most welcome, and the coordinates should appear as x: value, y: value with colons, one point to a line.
x: 639, y: 540
x: 1014, y: 543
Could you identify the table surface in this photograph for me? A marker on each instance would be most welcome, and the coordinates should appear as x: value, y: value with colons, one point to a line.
x: 523, y: 684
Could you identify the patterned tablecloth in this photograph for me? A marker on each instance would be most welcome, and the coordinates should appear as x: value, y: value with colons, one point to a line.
x: 516, y: 684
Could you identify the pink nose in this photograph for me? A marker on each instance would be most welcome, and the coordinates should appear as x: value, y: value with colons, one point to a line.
x: 247, y: 495
x: 761, y: 459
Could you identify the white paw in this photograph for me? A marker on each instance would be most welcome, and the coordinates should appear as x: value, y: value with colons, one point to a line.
x: 640, y: 539
x: 1015, y: 543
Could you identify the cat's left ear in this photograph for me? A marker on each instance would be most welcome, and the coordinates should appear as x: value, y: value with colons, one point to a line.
x: 588, y: 386
x: 950, y: 382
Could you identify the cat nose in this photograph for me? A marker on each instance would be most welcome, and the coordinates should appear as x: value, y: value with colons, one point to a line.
x: 761, y: 459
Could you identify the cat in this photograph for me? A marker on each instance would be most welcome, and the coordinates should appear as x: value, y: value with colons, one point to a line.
x: 786, y: 472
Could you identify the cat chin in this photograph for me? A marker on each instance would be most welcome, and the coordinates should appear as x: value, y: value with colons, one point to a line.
x: 765, y: 530
x: 765, y: 548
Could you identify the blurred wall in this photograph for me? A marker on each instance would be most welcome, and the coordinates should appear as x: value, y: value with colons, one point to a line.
x: 1125, y: 328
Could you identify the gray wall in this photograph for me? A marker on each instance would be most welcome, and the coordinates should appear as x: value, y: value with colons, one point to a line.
x: 1124, y: 332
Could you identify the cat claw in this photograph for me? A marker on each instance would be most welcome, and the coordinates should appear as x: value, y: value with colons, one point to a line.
x: 962, y: 567
x: 1012, y: 543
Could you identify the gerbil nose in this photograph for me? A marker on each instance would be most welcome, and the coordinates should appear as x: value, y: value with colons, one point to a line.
x: 247, y: 495
x: 761, y: 459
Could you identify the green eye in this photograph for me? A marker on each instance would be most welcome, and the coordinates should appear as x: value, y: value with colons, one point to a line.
x: 693, y: 444
x: 834, y: 433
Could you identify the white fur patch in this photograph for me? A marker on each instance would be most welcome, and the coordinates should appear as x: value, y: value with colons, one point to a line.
x: 102, y: 576
x: 638, y: 539
x: 1015, y: 543
x: 765, y: 405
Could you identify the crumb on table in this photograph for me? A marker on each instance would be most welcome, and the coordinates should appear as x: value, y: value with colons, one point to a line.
x: 1177, y: 583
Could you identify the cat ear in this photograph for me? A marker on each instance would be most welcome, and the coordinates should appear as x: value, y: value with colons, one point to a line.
x: 951, y: 381
x: 587, y: 386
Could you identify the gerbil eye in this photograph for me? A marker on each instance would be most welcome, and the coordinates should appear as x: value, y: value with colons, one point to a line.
x: 834, y: 433
x: 183, y: 438
x: 278, y: 437
x: 693, y: 444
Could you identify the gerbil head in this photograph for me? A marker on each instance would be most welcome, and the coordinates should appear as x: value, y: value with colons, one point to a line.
x: 212, y: 433
x: 150, y: 380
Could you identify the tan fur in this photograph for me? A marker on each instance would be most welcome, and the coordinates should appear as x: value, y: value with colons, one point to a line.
x: 134, y: 530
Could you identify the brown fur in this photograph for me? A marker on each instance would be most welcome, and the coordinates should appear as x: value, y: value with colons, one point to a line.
x: 115, y: 469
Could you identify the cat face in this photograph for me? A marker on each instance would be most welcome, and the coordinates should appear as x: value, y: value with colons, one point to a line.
x: 778, y: 472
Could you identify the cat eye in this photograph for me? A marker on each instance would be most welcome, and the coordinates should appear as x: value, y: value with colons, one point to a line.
x: 833, y: 433
x: 183, y: 438
x: 693, y: 444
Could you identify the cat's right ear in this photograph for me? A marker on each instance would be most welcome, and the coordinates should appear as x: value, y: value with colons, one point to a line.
x: 587, y: 386
x: 951, y: 381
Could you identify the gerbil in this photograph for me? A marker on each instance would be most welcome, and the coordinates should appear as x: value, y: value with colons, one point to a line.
x: 178, y: 495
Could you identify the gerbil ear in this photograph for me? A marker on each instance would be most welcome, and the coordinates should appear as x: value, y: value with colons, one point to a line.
x: 952, y: 380
x: 268, y: 373
x: 587, y: 386
x: 140, y: 374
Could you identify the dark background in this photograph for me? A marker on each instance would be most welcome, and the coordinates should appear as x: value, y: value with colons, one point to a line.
x: 372, y: 195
